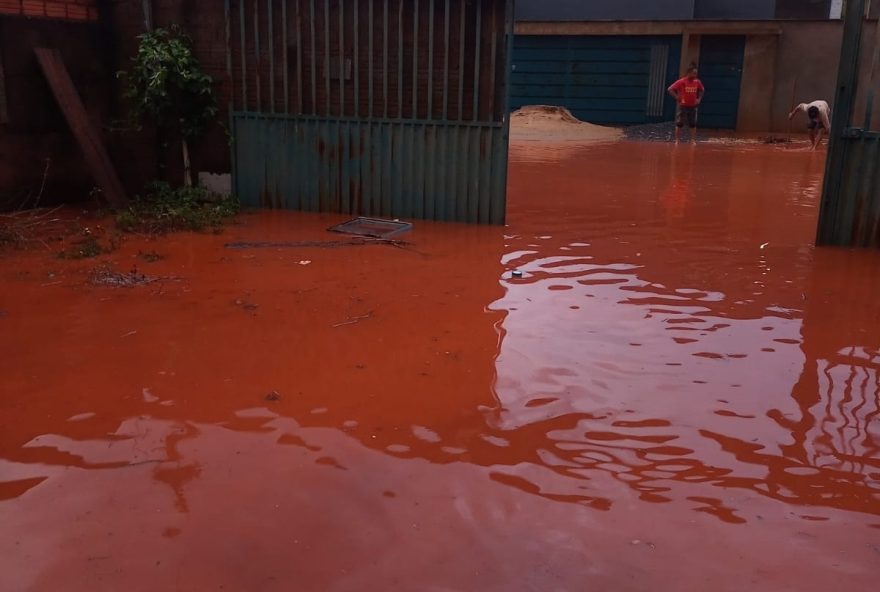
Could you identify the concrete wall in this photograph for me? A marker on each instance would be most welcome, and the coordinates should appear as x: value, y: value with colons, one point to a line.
x: 735, y: 9
x: 806, y: 68
x: 576, y: 10
x: 803, y: 9
x: 758, y: 81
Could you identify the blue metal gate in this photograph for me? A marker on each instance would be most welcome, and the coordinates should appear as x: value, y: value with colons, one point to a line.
x: 615, y: 80
x: 391, y: 108
x: 721, y: 66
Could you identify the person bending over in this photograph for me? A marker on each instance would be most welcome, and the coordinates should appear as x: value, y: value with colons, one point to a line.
x: 819, y: 115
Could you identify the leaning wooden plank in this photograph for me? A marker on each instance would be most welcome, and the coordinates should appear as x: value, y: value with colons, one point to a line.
x: 86, y: 135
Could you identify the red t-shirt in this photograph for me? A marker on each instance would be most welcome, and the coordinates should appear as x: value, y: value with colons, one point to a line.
x: 688, y: 91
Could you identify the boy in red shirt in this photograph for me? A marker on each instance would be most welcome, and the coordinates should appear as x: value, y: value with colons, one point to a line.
x: 688, y: 92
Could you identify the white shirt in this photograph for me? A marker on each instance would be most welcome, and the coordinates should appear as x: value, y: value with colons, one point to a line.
x: 824, y: 111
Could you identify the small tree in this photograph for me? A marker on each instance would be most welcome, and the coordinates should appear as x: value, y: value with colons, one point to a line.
x: 166, y: 84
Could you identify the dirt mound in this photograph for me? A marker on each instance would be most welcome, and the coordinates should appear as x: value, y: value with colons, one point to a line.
x: 550, y: 123
x: 535, y: 113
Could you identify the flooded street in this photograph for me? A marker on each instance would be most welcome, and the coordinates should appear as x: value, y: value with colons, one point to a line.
x: 678, y: 393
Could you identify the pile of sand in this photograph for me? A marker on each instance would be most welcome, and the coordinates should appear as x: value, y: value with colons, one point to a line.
x: 555, y: 124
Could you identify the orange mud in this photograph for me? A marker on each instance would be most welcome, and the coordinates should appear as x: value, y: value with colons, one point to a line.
x: 680, y: 394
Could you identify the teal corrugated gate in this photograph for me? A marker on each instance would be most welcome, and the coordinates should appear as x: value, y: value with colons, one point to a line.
x: 721, y: 66
x: 614, y: 80
x: 393, y: 108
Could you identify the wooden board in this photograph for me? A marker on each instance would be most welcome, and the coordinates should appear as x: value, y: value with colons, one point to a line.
x: 86, y: 135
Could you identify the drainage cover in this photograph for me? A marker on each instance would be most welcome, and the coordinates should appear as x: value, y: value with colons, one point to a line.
x: 372, y: 227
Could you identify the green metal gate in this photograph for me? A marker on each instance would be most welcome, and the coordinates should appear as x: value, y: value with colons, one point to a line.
x: 850, y: 210
x: 392, y: 108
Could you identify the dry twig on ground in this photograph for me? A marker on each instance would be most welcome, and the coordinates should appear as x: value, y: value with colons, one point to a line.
x: 24, y: 227
x: 354, y: 320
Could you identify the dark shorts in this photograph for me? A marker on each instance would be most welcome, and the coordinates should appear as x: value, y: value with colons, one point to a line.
x: 815, y: 122
x: 687, y: 114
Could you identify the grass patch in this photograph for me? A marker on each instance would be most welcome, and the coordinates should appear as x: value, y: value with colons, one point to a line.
x: 150, y: 256
x: 165, y: 209
x: 90, y: 246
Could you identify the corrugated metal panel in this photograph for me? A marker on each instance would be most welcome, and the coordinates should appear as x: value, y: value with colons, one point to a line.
x: 373, y: 107
x: 599, y: 79
x: 853, y: 218
x: 721, y: 66
x: 366, y: 168
x: 850, y: 209
x: 657, y: 80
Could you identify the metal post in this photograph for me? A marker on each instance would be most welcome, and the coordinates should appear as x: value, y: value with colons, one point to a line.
x: 313, y: 55
x: 148, y: 14
x: 446, y: 64
x: 844, y: 101
x: 461, y: 29
x: 356, y: 21
x: 415, y: 62
x: 342, y: 59
x: 431, y: 60
x: 271, y: 27
x: 257, y: 55
x: 400, y: 59
x: 385, y: 61
x: 241, y: 38
x: 327, y: 58
x: 872, y: 82
x: 370, y: 61
x: 299, y: 65
x: 477, y: 49
x: 230, y: 105
x: 284, y: 50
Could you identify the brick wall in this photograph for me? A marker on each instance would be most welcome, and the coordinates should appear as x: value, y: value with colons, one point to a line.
x: 34, y: 129
x: 94, y: 50
x: 75, y: 10
x: 205, y: 22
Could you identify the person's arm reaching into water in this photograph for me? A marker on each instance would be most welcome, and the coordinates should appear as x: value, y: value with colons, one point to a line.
x: 826, y: 121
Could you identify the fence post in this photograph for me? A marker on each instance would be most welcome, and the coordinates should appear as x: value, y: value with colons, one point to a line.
x: 829, y: 232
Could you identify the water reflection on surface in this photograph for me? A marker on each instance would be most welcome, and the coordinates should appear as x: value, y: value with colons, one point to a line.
x: 677, y: 372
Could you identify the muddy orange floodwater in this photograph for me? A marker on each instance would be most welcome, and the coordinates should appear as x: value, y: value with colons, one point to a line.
x: 679, y: 393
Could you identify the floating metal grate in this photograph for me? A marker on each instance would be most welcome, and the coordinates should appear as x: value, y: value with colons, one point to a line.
x: 372, y: 227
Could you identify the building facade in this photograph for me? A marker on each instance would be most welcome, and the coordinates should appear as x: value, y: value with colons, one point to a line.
x: 610, y: 61
x: 568, y: 10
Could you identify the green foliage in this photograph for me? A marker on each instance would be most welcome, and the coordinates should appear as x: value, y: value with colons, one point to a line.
x: 85, y: 248
x: 90, y: 245
x: 166, y: 209
x: 166, y: 84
